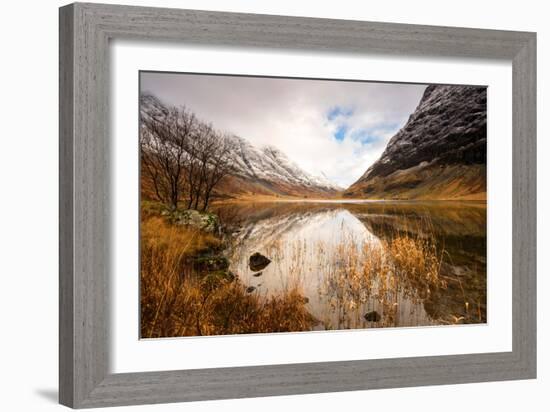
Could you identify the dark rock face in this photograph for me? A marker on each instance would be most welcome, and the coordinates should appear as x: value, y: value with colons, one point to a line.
x: 258, y: 262
x: 445, y: 135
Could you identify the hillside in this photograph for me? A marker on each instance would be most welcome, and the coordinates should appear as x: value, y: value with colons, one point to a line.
x: 256, y: 171
x: 440, y: 153
x: 268, y: 171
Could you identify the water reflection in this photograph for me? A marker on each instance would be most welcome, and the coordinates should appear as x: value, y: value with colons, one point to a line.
x: 367, y: 264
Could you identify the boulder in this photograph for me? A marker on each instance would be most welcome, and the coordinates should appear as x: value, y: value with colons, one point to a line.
x: 205, y: 221
x: 258, y: 262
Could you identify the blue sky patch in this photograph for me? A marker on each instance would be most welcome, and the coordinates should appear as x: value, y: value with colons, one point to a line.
x: 338, y: 111
x: 374, y: 134
x: 340, y: 132
x: 366, y: 136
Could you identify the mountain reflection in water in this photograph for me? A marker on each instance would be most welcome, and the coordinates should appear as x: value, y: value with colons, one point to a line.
x: 324, y: 246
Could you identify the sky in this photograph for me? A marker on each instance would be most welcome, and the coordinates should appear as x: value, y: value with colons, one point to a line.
x: 335, y: 128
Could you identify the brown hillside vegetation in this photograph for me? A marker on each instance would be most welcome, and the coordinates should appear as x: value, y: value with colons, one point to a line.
x: 236, y: 187
x: 438, y: 182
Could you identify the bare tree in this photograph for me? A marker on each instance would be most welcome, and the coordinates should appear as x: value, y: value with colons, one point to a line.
x: 219, y: 165
x: 164, y: 140
x: 183, y: 157
x: 204, y: 145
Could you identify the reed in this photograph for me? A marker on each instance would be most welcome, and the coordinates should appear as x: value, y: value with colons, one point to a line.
x: 382, y: 276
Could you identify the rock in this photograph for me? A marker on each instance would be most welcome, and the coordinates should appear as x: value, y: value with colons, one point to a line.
x: 373, y: 316
x: 250, y: 289
x: 209, y: 263
x: 205, y: 221
x: 258, y: 274
x: 258, y: 262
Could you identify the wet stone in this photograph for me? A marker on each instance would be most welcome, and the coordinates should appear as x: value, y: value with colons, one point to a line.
x: 258, y: 262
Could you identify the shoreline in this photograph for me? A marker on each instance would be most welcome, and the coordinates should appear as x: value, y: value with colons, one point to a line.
x: 264, y: 199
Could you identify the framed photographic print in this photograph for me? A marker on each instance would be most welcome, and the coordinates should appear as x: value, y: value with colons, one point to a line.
x: 257, y: 205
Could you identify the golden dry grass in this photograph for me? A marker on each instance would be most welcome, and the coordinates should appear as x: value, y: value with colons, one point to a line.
x: 175, y: 301
x: 451, y: 182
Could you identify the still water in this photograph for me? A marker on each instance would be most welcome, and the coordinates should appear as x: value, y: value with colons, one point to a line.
x: 336, y: 252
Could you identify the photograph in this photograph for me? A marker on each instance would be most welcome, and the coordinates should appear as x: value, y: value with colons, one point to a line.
x: 272, y: 204
x: 275, y: 206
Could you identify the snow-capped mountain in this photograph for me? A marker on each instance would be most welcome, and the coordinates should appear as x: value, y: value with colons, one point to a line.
x: 271, y: 165
x: 440, y: 153
x: 258, y: 170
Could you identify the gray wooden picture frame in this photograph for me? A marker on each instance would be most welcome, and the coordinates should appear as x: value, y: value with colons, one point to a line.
x: 85, y: 32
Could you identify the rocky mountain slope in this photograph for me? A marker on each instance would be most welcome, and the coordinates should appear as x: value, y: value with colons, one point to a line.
x: 257, y: 170
x: 440, y: 153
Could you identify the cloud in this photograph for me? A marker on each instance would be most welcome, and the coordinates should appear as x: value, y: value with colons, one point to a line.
x: 333, y: 127
x: 376, y: 134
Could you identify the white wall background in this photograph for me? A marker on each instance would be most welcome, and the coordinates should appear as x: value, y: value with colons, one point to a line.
x: 28, y: 207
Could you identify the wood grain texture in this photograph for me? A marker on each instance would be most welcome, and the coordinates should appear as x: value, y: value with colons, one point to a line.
x: 66, y: 183
x: 524, y: 225
x: 85, y: 31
